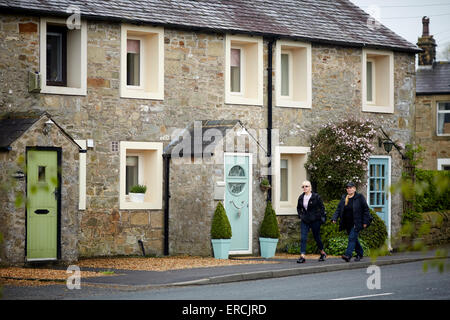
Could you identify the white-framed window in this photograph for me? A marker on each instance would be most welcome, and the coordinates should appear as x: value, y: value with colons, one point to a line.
x: 63, y: 57
x: 243, y: 70
x: 293, y: 85
x: 141, y: 163
x: 378, y: 81
x: 236, y: 71
x: 287, y: 176
x: 370, y: 81
x: 142, y: 62
x: 443, y: 118
x: 443, y: 164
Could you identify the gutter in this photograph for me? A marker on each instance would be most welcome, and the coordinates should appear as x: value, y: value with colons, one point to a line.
x: 269, y: 110
x: 166, y: 158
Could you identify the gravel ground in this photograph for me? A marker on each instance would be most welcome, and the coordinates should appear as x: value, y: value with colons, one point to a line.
x: 15, y: 276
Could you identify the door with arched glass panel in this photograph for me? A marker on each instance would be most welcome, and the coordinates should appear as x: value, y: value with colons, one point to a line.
x: 378, y: 187
x: 237, y: 186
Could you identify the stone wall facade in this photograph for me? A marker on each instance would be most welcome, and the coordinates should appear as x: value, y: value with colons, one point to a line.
x: 425, y: 131
x: 194, y: 90
x: 13, y: 194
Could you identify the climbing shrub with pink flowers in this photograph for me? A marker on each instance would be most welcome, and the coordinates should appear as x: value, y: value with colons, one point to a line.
x: 339, y: 153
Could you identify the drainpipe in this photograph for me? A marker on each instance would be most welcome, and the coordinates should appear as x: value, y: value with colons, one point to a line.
x: 269, y: 110
x: 166, y: 202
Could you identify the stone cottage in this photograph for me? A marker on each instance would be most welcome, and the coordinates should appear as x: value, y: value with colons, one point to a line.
x: 197, y: 100
x: 432, y: 129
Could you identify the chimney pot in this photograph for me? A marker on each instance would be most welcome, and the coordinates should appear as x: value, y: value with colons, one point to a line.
x: 425, y: 26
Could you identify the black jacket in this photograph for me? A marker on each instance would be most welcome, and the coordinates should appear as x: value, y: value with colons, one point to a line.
x: 360, y: 212
x: 315, y: 210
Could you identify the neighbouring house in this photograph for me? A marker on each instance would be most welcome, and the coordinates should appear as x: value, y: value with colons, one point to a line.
x: 432, y: 129
x: 197, y: 100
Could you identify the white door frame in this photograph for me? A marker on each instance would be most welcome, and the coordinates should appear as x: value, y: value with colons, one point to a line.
x: 250, y: 197
x: 388, y: 192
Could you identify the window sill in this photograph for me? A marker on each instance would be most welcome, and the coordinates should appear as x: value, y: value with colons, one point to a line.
x: 64, y: 90
x: 293, y: 104
x: 377, y: 109
x: 287, y: 211
x: 141, y: 94
x: 243, y: 101
x: 139, y: 205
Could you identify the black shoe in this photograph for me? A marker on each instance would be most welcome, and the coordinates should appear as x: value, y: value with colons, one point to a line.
x: 358, y: 258
x: 301, y: 260
x: 347, y: 259
x: 322, y: 257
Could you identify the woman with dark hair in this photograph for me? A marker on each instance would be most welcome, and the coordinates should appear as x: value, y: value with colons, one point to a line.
x: 354, y: 216
x: 311, y: 211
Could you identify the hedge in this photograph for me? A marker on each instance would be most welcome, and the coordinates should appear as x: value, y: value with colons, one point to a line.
x: 436, y: 190
x: 373, y: 237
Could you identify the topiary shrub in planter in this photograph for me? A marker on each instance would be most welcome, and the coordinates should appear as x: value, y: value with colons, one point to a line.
x: 220, y: 233
x: 269, y: 232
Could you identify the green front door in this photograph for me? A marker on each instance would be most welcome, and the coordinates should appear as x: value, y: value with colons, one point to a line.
x: 42, y: 204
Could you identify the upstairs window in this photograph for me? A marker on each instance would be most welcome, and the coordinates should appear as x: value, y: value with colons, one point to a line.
x: 378, y: 81
x: 142, y: 62
x: 443, y: 118
x: 243, y: 70
x: 63, y: 57
x: 293, y: 85
x: 235, y: 70
x: 56, y: 55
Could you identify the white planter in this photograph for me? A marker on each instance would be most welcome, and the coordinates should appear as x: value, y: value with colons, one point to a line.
x: 137, y: 197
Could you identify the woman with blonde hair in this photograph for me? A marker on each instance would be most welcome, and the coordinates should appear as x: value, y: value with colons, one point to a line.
x: 311, y: 211
x: 353, y: 212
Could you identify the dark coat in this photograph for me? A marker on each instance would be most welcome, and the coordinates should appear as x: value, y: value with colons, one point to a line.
x: 360, y: 212
x: 315, y: 210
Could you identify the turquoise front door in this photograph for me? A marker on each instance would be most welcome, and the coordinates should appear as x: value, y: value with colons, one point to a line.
x: 378, y: 188
x: 237, y: 192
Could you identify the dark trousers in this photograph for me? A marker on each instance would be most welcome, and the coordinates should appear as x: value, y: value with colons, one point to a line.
x: 304, y: 229
x: 353, y: 243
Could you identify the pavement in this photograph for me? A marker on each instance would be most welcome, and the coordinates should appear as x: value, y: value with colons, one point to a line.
x: 144, y: 280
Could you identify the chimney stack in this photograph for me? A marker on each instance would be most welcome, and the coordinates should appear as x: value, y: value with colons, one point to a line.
x: 427, y: 44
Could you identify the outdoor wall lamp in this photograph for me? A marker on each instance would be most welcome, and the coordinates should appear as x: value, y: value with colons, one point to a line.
x: 47, y: 127
x: 387, y: 144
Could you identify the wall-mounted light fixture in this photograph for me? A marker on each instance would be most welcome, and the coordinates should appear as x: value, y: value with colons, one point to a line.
x: 387, y: 144
x: 47, y: 126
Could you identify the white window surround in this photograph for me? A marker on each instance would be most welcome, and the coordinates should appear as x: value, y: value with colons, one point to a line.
x: 150, y: 173
x: 442, y: 112
x: 383, y: 84
x: 152, y: 62
x: 76, y: 59
x: 297, y: 157
x: 251, y: 70
x: 300, y: 74
x: 443, y: 162
x: 82, y: 176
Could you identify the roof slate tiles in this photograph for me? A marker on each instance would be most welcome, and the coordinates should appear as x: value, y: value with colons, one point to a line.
x: 338, y: 21
x: 435, y: 80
